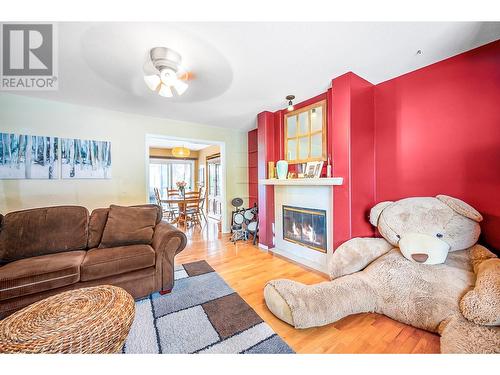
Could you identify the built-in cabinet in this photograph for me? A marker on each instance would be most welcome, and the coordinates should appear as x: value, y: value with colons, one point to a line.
x: 305, y: 134
x: 253, y: 193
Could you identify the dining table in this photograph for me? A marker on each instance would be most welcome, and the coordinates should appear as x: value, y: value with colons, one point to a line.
x: 181, y: 202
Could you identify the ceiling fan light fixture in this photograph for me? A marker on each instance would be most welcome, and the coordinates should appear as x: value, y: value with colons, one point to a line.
x: 180, y: 87
x: 168, y: 76
x: 181, y: 152
x: 165, y: 91
x: 163, y: 72
x: 152, y: 81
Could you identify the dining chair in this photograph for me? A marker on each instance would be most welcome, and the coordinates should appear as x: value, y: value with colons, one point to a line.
x: 203, y: 197
x: 192, y: 211
x: 172, y: 193
x: 168, y: 211
x: 192, y: 194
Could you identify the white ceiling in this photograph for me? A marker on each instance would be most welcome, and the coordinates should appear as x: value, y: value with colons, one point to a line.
x: 244, y: 68
x: 159, y: 142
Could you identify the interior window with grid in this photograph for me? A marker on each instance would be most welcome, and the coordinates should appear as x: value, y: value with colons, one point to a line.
x: 305, y: 134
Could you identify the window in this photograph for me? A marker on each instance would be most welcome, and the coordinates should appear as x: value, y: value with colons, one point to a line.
x: 164, y: 173
x: 305, y: 134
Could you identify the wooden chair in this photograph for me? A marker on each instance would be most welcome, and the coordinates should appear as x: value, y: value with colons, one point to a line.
x: 192, y: 194
x: 169, y: 213
x: 203, y: 197
x: 172, y: 193
x: 189, y: 212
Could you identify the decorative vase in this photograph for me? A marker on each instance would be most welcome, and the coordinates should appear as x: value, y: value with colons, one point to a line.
x: 282, y: 169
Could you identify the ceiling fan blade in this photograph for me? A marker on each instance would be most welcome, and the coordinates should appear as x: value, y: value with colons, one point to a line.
x: 152, y: 81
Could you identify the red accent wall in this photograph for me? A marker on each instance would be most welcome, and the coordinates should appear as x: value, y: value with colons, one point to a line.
x: 438, y: 132
x: 266, y: 152
x: 352, y: 147
x: 432, y: 131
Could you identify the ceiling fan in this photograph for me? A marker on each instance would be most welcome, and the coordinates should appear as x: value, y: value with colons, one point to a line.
x: 163, y: 72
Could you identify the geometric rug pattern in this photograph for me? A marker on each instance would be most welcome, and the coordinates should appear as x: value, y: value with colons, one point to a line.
x: 202, y: 314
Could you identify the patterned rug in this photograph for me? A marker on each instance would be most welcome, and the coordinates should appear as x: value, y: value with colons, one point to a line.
x: 201, y: 315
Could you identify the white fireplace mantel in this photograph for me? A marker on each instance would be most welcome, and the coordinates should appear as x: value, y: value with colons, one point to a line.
x: 304, y: 181
x: 314, y: 193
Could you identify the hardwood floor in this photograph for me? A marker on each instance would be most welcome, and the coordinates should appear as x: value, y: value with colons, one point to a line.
x: 246, y: 269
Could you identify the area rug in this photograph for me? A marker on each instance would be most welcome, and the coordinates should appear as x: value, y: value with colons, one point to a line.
x: 202, y: 314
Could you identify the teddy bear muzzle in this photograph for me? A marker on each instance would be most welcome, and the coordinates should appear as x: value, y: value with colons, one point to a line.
x: 420, y: 258
x: 423, y: 248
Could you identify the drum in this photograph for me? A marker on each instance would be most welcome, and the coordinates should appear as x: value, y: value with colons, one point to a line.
x: 248, y: 214
x: 239, y: 218
x: 252, y: 226
x: 237, y: 202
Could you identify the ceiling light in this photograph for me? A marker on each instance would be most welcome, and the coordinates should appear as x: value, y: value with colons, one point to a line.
x: 165, y: 91
x: 163, y: 72
x: 181, y: 152
x: 152, y: 81
x: 290, y: 103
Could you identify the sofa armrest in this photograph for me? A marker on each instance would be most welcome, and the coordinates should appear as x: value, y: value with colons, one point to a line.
x: 168, y: 241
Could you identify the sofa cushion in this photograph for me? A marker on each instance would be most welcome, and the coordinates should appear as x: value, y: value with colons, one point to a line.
x: 41, y: 273
x: 129, y: 226
x: 43, y: 231
x: 99, y: 217
x: 104, y: 262
x: 97, y: 222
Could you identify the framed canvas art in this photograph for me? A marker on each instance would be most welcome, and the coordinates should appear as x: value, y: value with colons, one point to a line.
x: 28, y: 157
x: 81, y: 158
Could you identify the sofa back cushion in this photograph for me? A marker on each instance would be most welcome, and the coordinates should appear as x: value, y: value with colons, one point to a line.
x: 97, y: 222
x: 129, y: 225
x: 99, y: 217
x: 43, y: 231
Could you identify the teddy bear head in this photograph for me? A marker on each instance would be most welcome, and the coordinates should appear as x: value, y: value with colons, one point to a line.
x: 425, y: 228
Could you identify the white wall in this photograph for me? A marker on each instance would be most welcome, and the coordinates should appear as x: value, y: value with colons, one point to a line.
x: 127, y: 132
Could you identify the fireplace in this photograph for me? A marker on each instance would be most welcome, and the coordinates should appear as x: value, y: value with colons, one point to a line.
x: 306, y: 227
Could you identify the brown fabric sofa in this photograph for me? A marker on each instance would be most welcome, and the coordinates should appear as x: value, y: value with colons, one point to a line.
x: 45, y: 251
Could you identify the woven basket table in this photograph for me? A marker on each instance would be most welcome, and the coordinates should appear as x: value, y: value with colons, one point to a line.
x: 88, y: 320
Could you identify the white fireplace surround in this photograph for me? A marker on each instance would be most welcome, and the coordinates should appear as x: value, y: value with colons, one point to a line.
x: 305, y: 193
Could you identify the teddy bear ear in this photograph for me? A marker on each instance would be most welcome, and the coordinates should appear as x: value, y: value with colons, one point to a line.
x: 460, y: 207
x: 376, y: 211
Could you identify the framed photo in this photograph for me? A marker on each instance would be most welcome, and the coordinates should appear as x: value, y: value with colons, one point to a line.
x: 313, y: 169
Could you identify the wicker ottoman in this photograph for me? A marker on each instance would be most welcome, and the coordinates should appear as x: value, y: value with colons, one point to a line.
x: 88, y: 320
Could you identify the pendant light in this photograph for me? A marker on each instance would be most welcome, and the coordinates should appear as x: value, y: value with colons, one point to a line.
x: 290, y: 103
x: 181, y: 152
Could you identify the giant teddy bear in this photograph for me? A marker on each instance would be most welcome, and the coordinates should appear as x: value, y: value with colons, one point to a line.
x: 427, y: 271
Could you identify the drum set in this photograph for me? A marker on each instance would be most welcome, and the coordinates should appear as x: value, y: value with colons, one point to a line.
x: 245, y: 222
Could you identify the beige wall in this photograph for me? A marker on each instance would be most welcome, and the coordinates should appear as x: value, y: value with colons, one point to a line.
x: 127, y: 133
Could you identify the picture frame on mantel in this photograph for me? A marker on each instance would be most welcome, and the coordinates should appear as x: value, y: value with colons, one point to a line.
x: 313, y: 169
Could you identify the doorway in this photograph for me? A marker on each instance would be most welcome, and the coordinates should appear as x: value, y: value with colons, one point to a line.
x: 214, y: 179
x: 205, y: 161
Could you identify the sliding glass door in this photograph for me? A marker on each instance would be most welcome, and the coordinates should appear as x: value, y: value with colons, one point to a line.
x: 164, y: 173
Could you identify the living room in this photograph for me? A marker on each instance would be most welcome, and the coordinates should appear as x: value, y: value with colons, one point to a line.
x: 250, y: 188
